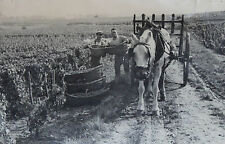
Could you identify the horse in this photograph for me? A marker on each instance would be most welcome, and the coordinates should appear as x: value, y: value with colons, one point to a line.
x: 151, y: 55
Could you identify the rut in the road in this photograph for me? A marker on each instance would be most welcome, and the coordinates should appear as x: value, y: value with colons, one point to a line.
x: 133, y: 128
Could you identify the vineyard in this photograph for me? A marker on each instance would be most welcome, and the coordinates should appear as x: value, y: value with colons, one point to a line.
x: 33, y: 61
x: 212, y: 35
x: 32, y: 68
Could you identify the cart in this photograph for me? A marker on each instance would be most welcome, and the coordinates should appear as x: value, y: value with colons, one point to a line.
x: 176, y: 29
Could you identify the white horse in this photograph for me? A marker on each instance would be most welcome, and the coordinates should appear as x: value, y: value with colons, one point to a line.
x: 150, y: 55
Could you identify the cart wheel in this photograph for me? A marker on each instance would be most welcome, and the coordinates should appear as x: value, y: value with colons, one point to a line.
x: 186, y: 60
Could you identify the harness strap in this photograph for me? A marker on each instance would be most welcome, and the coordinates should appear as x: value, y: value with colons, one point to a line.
x: 163, y: 44
x: 141, y: 43
x: 147, y: 46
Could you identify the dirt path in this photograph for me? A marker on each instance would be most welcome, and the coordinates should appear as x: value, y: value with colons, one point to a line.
x: 140, y: 130
x: 197, y: 121
x: 191, y: 115
x: 186, y: 118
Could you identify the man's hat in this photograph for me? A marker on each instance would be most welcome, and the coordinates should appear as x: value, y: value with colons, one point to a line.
x: 99, y: 33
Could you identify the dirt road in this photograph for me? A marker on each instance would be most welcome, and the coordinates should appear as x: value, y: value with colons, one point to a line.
x: 190, y: 115
x: 186, y: 118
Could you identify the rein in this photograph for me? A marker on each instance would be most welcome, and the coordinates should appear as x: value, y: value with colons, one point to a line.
x: 170, y: 54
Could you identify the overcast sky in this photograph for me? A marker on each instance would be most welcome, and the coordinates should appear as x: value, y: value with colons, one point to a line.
x: 76, y: 8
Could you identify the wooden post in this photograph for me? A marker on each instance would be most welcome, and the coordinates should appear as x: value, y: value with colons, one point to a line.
x: 143, y: 20
x: 138, y: 28
x: 153, y: 17
x: 64, y: 85
x: 163, y: 20
x: 187, y: 51
x: 46, y: 84
x: 187, y: 60
x: 181, y: 36
x: 30, y: 88
x: 134, y: 25
x: 53, y: 77
x: 172, y: 24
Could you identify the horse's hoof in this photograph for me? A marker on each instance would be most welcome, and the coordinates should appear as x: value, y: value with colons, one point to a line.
x: 140, y: 112
x: 141, y: 108
x: 162, y: 99
x: 155, y: 113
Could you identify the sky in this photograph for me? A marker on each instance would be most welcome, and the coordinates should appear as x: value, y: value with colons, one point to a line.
x: 78, y: 8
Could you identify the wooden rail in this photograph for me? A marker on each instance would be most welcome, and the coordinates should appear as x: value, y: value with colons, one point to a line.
x: 161, y: 23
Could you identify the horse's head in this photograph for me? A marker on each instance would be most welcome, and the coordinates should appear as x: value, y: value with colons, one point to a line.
x: 143, y: 54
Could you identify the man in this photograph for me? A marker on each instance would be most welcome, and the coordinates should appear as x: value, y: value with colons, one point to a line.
x: 119, y: 59
x: 99, y: 41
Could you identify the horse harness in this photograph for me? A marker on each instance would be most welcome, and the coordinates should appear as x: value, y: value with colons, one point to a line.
x: 143, y: 73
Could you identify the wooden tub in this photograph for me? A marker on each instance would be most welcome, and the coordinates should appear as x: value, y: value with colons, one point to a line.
x: 85, y: 87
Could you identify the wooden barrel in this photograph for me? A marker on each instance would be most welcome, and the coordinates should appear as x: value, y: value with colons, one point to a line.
x: 98, y: 51
x: 85, y: 87
x: 84, y: 75
x: 89, y: 98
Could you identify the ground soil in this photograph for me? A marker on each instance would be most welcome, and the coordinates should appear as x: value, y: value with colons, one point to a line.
x: 193, y: 114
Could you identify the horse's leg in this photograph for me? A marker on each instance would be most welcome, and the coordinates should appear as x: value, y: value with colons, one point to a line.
x: 141, y: 90
x: 118, y: 61
x: 149, y: 87
x: 132, y: 72
x: 157, y: 75
x: 162, y: 80
x: 126, y: 69
x: 162, y: 86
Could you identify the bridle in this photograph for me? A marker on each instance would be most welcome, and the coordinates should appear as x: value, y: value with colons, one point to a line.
x: 142, y: 73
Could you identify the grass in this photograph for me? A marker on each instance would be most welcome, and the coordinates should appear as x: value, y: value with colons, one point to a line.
x: 94, y: 129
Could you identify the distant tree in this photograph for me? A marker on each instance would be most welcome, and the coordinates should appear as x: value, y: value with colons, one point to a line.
x: 24, y: 27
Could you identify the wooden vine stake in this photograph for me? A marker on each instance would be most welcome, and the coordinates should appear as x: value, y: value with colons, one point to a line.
x: 30, y: 88
x: 46, y: 84
x: 53, y: 82
x: 53, y: 78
